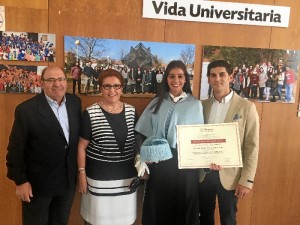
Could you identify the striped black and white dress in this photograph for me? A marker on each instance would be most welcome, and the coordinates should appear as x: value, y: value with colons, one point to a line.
x: 109, y: 166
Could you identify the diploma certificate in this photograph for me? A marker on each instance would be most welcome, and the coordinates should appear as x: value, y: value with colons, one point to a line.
x: 200, y: 145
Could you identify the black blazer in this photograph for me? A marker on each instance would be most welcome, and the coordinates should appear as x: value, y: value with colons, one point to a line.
x: 38, y: 151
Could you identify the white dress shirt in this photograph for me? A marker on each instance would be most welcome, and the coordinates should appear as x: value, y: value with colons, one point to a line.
x: 219, y: 110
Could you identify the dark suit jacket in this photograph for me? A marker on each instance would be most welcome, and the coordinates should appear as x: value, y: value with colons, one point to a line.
x: 38, y: 151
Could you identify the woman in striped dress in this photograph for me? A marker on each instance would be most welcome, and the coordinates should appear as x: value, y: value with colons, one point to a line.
x: 106, y: 154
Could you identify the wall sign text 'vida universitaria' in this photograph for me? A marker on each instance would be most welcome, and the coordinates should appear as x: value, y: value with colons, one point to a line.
x: 217, y: 12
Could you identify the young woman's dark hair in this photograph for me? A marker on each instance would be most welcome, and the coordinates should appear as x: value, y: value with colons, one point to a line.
x: 165, y: 87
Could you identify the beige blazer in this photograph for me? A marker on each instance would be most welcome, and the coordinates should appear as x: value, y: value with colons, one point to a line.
x: 244, y: 112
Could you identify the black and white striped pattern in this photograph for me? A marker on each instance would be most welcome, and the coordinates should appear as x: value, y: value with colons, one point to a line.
x: 103, y: 145
x: 110, y: 187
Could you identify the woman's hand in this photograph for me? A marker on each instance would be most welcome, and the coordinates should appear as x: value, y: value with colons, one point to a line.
x: 82, y: 183
x: 145, y: 176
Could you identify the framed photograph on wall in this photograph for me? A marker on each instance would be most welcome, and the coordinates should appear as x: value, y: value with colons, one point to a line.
x: 27, y: 46
x: 20, y: 79
x: 263, y: 75
x: 142, y: 64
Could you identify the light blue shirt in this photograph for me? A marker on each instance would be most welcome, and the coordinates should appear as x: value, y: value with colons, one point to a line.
x: 187, y: 111
x: 61, y: 114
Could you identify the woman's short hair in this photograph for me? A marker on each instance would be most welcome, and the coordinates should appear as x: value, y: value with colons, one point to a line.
x: 110, y: 73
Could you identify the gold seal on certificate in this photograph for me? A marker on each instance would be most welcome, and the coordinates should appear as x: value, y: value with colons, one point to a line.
x: 200, y: 145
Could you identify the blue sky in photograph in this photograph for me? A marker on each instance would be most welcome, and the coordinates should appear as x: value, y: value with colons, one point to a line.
x: 165, y: 51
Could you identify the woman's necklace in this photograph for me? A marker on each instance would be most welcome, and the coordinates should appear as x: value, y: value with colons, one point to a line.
x: 112, y: 109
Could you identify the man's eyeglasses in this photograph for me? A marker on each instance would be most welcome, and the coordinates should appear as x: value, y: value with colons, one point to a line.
x: 53, y: 80
x: 114, y: 86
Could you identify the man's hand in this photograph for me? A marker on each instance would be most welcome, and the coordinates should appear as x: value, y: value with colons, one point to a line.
x: 214, y: 166
x: 241, y: 191
x: 24, y: 192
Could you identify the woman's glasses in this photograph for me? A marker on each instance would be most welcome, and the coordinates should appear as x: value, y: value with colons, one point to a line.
x: 114, y: 86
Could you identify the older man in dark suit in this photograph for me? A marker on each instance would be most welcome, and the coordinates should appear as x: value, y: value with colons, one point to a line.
x: 41, y: 157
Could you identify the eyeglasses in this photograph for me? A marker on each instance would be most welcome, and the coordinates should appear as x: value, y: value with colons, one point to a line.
x: 114, y: 86
x: 52, y: 80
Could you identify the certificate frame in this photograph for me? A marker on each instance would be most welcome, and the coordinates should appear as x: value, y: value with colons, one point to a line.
x: 200, y: 145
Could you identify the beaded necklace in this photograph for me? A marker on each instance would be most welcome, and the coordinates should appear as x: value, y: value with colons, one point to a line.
x: 111, y: 109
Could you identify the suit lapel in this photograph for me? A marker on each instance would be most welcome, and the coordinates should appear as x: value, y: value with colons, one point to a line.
x: 233, y: 109
x: 71, y: 117
x: 207, y: 107
x: 45, y: 110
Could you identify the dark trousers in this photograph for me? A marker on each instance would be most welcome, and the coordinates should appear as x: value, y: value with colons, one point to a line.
x: 246, y: 92
x: 95, y: 87
x: 79, y: 85
x: 253, y: 91
x: 48, y: 210
x: 125, y: 85
x: 132, y: 88
x: 208, y: 190
x: 261, y: 93
x: 138, y: 87
x: 88, y: 84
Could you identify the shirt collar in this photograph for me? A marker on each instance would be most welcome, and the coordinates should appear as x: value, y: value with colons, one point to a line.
x: 226, y: 99
x: 177, y: 98
x: 53, y: 102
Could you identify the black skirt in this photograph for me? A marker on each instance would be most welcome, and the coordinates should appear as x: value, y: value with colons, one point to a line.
x: 171, y: 194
